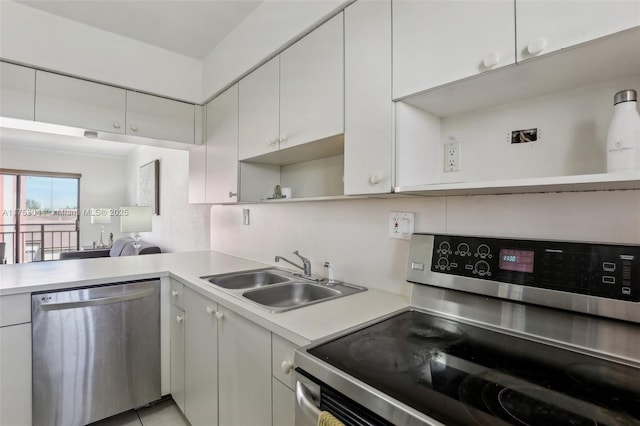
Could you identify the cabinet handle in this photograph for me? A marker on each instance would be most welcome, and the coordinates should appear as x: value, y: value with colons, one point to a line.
x: 491, y: 60
x: 210, y: 310
x: 134, y: 127
x: 232, y: 194
x: 283, y: 137
x: 272, y: 142
x: 174, y: 293
x: 286, y: 367
x: 179, y: 318
x: 219, y: 315
x: 375, y: 179
x: 537, y: 46
x: 116, y: 124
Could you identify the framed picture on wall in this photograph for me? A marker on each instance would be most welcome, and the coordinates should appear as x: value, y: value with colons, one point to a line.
x: 149, y: 193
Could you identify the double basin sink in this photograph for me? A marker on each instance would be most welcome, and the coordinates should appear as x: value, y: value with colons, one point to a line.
x: 279, y: 290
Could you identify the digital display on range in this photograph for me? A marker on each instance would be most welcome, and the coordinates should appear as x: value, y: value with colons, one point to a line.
x: 516, y: 260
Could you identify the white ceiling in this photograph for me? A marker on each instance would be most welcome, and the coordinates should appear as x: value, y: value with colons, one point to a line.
x: 190, y: 27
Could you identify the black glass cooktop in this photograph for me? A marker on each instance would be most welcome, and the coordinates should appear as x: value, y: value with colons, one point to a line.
x: 462, y: 375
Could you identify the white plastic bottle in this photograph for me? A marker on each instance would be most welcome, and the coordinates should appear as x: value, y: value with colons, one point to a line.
x: 623, y: 140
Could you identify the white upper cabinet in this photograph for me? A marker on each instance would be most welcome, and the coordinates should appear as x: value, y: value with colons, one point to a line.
x: 436, y: 42
x: 312, y: 86
x: 368, y: 145
x: 222, y: 148
x: 259, y: 111
x: 17, y: 91
x: 160, y: 118
x: 547, y: 26
x: 79, y: 103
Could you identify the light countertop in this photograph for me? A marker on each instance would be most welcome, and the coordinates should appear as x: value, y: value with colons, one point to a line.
x: 300, y: 326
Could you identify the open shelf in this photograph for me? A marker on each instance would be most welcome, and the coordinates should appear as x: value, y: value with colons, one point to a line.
x: 593, y: 182
x: 315, y: 150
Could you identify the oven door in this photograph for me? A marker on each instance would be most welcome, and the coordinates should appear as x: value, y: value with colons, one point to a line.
x: 313, y: 397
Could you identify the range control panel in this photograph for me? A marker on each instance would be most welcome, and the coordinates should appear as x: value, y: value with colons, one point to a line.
x: 611, y: 271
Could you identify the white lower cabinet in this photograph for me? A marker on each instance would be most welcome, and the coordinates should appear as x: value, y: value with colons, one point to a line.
x: 220, y: 365
x: 284, y: 404
x: 244, y: 371
x: 15, y: 375
x: 15, y: 360
x: 177, y: 337
x: 201, y: 360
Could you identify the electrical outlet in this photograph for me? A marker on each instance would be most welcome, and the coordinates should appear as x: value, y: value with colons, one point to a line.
x: 452, y: 156
x: 401, y: 225
x: 245, y: 216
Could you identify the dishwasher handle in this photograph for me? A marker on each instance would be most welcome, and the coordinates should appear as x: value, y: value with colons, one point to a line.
x: 306, y: 402
x: 96, y: 302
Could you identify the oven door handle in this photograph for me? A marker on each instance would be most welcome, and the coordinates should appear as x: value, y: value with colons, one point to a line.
x: 306, y: 402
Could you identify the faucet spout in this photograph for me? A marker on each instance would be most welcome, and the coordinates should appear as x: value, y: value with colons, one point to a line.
x: 279, y: 258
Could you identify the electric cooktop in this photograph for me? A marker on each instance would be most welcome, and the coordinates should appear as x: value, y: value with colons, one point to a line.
x: 462, y: 374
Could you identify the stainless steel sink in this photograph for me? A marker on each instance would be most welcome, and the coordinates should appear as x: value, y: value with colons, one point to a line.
x: 278, y: 290
x: 246, y: 280
x: 291, y: 294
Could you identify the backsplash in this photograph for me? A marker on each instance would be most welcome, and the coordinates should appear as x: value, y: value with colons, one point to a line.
x: 353, y: 234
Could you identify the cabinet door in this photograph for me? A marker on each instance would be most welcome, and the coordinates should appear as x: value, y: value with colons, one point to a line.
x: 244, y: 371
x: 201, y: 356
x: 546, y: 26
x: 259, y: 111
x: 368, y: 136
x: 222, y: 148
x: 15, y: 371
x: 312, y: 86
x: 79, y: 103
x: 17, y: 91
x: 437, y: 42
x: 160, y: 118
x: 284, y: 405
x: 177, y: 356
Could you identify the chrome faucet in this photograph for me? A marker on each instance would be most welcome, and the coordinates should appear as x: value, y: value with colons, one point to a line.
x: 306, y: 264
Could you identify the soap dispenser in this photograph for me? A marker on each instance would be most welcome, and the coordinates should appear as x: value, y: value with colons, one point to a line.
x: 623, y: 139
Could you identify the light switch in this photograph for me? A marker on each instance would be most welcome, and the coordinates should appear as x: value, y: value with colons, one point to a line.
x: 245, y: 216
x: 401, y: 225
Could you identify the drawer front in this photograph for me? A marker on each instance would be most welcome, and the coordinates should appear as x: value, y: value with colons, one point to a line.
x: 176, y: 294
x: 15, y: 309
x: 282, y: 360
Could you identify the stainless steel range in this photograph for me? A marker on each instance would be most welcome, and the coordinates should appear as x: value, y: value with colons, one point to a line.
x: 502, y: 331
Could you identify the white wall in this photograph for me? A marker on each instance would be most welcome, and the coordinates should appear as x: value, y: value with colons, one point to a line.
x: 267, y: 30
x: 43, y: 40
x: 180, y: 226
x: 353, y: 234
x: 103, y: 182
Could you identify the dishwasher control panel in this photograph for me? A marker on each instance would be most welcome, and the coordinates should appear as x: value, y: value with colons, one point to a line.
x: 604, y: 270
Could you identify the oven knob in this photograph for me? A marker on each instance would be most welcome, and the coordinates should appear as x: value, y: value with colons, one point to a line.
x: 483, y: 251
x: 443, y: 264
x: 482, y: 269
x: 463, y: 250
x: 444, y: 248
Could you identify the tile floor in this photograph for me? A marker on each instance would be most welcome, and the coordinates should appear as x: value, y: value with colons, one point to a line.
x: 165, y: 413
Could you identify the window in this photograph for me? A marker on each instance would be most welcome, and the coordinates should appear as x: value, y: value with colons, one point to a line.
x: 39, y: 215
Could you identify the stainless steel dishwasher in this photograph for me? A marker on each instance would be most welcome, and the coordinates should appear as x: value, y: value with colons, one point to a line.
x: 96, y: 352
